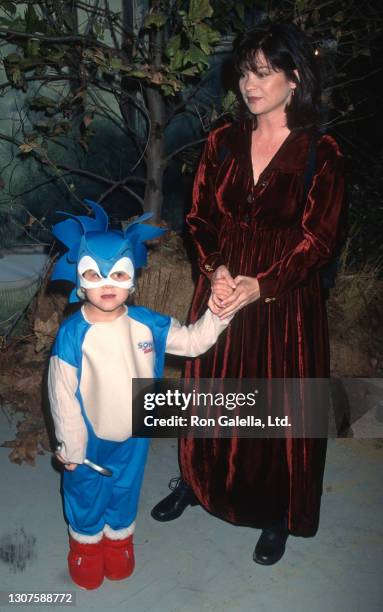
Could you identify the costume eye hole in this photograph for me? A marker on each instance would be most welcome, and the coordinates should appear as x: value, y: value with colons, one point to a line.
x: 120, y: 276
x: 91, y: 276
x: 123, y: 270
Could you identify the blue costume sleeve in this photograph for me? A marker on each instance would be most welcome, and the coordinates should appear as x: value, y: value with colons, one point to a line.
x: 69, y: 339
x: 159, y: 325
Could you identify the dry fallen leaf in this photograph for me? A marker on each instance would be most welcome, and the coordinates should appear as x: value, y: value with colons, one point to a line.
x: 27, y: 147
x: 45, y: 331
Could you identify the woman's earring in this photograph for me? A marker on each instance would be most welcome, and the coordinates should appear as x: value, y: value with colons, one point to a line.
x: 292, y: 92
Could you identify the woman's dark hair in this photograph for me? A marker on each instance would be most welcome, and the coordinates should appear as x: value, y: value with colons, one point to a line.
x: 285, y: 48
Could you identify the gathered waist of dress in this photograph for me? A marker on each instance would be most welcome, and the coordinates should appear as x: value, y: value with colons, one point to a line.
x: 252, y: 224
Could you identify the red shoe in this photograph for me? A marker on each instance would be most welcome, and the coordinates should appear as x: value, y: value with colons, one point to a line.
x: 86, y: 564
x: 118, y: 558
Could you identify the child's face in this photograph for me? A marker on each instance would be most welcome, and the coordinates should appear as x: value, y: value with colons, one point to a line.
x: 107, y: 299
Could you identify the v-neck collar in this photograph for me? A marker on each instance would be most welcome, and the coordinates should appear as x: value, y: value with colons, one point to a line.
x: 274, y: 161
x: 290, y: 157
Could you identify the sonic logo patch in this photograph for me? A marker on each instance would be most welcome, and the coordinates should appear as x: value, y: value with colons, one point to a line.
x: 146, y: 347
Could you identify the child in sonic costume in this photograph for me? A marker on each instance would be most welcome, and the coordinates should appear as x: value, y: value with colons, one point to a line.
x: 97, y: 352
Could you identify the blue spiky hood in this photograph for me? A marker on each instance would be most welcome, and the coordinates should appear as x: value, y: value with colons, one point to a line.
x: 84, y: 235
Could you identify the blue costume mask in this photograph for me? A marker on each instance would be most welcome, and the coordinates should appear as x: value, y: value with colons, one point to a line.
x: 93, y: 247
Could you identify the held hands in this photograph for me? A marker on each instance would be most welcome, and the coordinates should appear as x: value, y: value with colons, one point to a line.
x: 230, y: 295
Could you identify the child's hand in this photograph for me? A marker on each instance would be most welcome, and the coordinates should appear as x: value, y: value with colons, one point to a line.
x: 215, y: 309
x: 222, y: 283
x: 68, y: 466
x: 222, y: 287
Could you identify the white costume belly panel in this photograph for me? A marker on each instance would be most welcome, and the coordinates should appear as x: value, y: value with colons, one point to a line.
x: 113, y: 354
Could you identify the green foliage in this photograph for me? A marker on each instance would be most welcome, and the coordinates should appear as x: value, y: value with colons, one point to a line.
x: 156, y: 20
x: 32, y: 22
x: 230, y: 102
x: 186, y: 30
x: 229, y: 15
x: 32, y: 48
x: 199, y: 10
x: 168, y: 54
x: 43, y: 103
x: 189, y: 42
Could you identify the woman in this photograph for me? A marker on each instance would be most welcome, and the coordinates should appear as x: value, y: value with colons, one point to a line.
x: 261, y: 244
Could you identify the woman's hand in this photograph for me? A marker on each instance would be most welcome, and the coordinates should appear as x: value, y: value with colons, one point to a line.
x: 68, y: 466
x: 246, y: 292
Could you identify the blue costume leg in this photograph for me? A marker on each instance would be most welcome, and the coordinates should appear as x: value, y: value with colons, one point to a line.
x: 92, y: 500
x: 86, y: 495
x: 128, y: 463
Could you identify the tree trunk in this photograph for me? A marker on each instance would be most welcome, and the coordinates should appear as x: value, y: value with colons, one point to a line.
x: 133, y: 14
x: 155, y: 151
x: 155, y: 155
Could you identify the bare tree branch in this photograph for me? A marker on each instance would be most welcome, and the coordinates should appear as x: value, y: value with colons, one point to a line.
x: 362, y: 78
x: 185, y: 146
x: 112, y: 116
x: 119, y: 184
x: 52, y: 179
x: 43, y: 160
x: 178, y: 107
x: 45, y: 78
x: 111, y: 25
x: 9, y: 35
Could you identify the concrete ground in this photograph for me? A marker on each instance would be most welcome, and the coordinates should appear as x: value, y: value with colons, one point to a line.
x: 199, y: 563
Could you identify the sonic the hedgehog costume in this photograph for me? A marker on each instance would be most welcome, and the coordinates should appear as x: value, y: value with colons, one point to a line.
x: 90, y: 374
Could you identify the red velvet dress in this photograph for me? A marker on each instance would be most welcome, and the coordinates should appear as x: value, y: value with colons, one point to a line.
x: 265, y: 231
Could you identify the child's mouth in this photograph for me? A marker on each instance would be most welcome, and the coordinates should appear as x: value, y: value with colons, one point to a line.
x: 108, y: 296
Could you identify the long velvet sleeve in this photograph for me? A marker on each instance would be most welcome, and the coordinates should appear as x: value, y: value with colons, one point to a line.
x: 205, y: 217
x: 323, y: 224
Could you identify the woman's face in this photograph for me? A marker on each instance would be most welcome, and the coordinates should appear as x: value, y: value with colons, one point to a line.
x: 265, y: 90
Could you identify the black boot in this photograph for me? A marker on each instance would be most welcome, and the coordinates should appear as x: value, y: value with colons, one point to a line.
x: 172, y: 506
x: 271, y: 544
